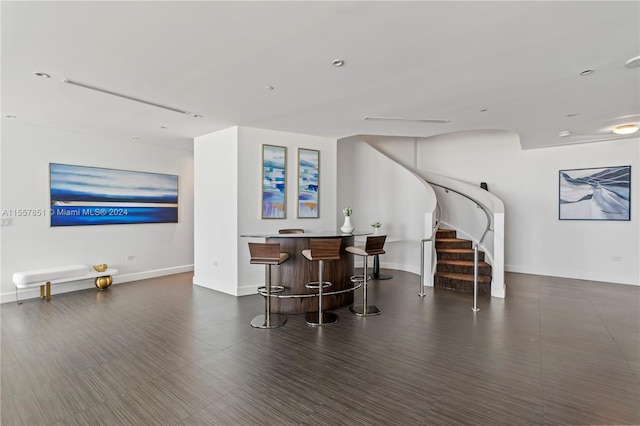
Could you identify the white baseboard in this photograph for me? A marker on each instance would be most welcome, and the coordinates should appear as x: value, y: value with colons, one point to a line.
x: 34, y: 293
x: 575, y: 275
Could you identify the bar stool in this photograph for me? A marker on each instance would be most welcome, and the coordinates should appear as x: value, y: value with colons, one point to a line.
x: 291, y: 231
x: 373, y: 246
x: 268, y: 254
x: 321, y: 249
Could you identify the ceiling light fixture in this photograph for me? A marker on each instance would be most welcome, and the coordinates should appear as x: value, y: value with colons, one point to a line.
x: 626, y: 129
x: 268, y: 87
x: 41, y: 74
x: 416, y: 120
x: 633, y: 62
x: 12, y: 117
x: 587, y: 72
x: 197, y: 116
x: 120, y: 95
x: 338, y: 62
x: 572, y: 114
x: 564, y: 134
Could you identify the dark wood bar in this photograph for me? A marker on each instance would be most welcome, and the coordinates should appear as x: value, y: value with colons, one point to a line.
x: 297, y: 271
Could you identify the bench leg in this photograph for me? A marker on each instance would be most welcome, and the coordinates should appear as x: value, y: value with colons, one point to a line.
x: 48, y: 290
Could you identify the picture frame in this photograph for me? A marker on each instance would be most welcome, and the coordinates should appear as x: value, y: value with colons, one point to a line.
x: 308, y: 200
x: 85, y: 195
x: 274, y: 182
x: 599, y: 193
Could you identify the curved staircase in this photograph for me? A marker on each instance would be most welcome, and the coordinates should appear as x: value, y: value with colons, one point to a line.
x: 454, y: 270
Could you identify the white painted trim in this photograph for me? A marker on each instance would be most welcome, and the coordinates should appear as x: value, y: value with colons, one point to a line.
x: 586, y: 276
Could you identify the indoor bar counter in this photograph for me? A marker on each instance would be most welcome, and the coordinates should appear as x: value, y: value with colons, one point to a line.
x: 298, y: 271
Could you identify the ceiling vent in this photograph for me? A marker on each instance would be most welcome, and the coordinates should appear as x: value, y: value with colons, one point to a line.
x: 414, y: 120
x: 120, y: 95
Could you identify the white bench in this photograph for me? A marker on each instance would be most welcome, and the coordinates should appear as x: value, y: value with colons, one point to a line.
x: 61, y: 274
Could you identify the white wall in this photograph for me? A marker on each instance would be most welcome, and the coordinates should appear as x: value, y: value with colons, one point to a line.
x: 536, y: 242
x: 30, y: 243
x: 215, y: 162
x: 216, y: 210
x: 379, y: 189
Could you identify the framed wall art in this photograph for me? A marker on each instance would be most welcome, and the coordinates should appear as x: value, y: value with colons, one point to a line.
x: 274, y: 198
x: 602, y: 193
x: 308, y: 183
x: 82, y: 195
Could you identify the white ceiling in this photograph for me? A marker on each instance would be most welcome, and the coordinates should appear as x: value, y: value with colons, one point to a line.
x: 521, y: 61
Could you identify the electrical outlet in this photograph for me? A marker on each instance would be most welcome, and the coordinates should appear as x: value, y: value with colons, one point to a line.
x: 130, y: 258
x: 616, y: 258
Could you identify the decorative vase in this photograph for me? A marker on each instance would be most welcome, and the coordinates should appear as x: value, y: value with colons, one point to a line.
x: 103, y: 282
x: 376, y: 230
x: 346, y: 226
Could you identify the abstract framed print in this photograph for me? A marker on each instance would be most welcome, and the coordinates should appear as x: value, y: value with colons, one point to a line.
x: 602, y: 193
x: 274, y: 194
x: 308, y: 183
x: 82, y: 195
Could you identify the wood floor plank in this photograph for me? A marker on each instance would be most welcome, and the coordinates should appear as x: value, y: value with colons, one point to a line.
x: 162, y: 351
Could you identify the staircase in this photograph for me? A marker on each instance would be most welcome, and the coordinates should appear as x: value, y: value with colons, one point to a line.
x: 454, y: 270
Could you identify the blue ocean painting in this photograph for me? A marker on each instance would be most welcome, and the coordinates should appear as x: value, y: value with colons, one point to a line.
x: 595, y: 194
x: 274, y: 159
x: 82, y: 195
x: 308, y: 183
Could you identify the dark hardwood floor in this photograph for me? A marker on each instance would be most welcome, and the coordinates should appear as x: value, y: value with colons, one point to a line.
x: 162, y: 351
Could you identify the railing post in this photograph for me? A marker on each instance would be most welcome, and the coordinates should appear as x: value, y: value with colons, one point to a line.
x: 421, y: 292
x: 475, y: 278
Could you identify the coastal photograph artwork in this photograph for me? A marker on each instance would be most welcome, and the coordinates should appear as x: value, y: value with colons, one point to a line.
x: 595, y: 194
x: 82, y: 195
x: 308, y: 182
x: 274, y: 160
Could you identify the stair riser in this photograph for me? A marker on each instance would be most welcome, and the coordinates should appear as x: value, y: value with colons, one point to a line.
x: 463, y: 244
x: 444, y: 255
x: 445, y: 233
x: 461, y: 285
x: 463, y: 269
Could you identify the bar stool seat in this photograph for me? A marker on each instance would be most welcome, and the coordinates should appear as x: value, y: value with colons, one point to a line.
x: 321, y: 249
x: 268, y: 254
x: 373, y: 246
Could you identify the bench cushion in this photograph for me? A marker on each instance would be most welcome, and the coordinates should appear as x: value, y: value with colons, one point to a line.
x: 49, y: 274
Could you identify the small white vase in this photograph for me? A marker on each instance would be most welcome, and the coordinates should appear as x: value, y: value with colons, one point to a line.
x: 346, y: 226
x: 376, y: 231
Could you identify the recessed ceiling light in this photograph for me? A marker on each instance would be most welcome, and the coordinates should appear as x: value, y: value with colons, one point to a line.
x: 41, y: 74
x: 164, y: 127
x: 135, y: 138
x: 483, y: 110
x: 572, y: 114
x: 12, y: 117
x: 564, y: 134
x: 197, y: 116
x: 626, y: 129
x: 633, y: 62
x: 267, y: 87
x: 338, y: 62
x: 587, y: 72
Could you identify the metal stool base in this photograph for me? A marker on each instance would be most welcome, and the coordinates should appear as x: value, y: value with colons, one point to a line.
x: 312, y: 318
x: 360, y: 311
x: 277, y: 320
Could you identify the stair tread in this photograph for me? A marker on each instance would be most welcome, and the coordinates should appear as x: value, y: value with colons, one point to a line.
x: 456, y: 250
x: 462, y: 262
x: 464, y: 277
